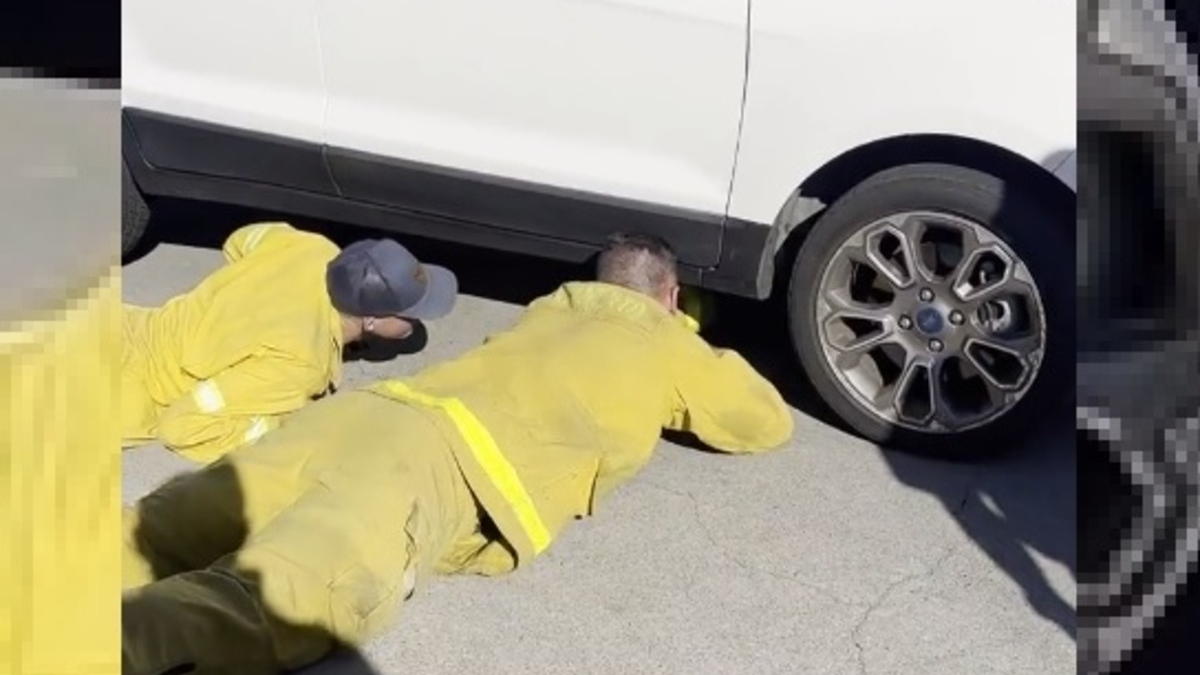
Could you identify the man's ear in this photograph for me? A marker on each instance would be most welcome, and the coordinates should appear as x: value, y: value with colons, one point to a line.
x: 673, y: 299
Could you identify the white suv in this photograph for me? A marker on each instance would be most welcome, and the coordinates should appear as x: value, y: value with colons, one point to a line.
x: 903, y: 171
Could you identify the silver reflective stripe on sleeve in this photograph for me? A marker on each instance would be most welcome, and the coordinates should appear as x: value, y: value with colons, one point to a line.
x: 256, y: 430
x: 208, y: 398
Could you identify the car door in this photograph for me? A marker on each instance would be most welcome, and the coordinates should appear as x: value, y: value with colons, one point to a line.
x: 553, y: 118
x: 226, y: 88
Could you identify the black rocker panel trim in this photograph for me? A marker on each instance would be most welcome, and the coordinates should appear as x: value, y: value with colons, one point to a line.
x: 520, y: 206
x: 175, y: 157
x: 175, y: 144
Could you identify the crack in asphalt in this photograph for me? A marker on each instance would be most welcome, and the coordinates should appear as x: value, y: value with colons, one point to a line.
x: 957, y: 512
x: 856, y: 633
x: 729, y: 556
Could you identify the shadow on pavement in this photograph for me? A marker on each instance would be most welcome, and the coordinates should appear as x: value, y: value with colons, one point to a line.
x: 1018, y: 504
x: 343, y: 661
x: 155, y: 617
x: 379, y: 350
x: 1012, y: 507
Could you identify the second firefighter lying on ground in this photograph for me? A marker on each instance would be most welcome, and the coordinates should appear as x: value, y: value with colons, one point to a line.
x: 220, y: 365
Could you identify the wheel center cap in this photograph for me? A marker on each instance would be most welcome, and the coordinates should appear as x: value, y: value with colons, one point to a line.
x: 930, y: 321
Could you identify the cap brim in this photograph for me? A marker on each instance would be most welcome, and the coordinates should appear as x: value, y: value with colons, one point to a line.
x: 440, y: 295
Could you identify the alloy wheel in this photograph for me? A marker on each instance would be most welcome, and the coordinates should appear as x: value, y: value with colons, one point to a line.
x: 931, y: 322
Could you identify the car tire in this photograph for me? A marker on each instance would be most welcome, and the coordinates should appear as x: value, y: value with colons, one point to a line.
x: 938, y: 198
x: 135, y: 213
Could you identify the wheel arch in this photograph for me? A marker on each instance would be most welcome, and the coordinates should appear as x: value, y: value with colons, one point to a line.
x: 841, y: 173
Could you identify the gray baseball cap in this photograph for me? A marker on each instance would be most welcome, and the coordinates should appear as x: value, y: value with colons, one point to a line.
x: 379, y: 277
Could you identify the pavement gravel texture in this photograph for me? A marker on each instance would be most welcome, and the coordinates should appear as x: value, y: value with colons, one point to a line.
x: 830, y: 556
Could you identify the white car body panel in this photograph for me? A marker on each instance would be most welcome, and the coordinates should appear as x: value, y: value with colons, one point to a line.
x: 249, y: 65
x: 828, y: 77
x: 639, y: 99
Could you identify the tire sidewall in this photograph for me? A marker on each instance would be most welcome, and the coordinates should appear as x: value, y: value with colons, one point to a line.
x: 1024, y: 223
x: 135, y: 213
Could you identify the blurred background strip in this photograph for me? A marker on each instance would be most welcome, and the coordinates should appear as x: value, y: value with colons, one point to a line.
x: 59, y: 345
x: 1138, y: 376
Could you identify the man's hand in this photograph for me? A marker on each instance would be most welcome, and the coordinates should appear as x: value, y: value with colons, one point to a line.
x: 696, y: 307
x: 688, y: 322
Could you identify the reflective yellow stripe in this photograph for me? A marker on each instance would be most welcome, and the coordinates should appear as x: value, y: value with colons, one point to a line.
x: 488, y: 454
x: 260, y: 427
x: 208, y: 398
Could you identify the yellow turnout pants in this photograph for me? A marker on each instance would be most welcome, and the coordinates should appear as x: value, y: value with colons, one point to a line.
x: 310, y: 539
x: 139, y: 412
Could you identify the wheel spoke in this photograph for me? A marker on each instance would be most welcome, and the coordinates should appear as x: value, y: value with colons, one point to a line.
x: 851, y: 356
x: 970, y: 238
x: 1022, y: 346
x: 998, y: 396
x: 1010, y: 285
x: 865, y: 343
x: 1012, y: 293
x: 1000, y: 365
x: 913, y: 397
x: 944, y: 414
x: 841, y: 303
x: 914, y: 227
x: 985, y: 271
x: 851, y: 348
x: 853, y: 328
x: 890, y: 252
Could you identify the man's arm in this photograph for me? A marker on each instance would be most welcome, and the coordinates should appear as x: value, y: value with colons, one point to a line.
x: 721, y: 399
x: 237, y: 406
x: 249, y: 237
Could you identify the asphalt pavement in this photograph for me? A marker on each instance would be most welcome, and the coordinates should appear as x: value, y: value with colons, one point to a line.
x: 830, y: 556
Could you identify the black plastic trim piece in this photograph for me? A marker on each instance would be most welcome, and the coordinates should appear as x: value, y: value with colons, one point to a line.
x: 175, y: 144
x: 747, y: 264
x: 179, y: 158
x: 520, y: 206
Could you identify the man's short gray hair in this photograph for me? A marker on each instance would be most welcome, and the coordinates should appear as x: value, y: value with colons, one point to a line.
x: 639, y: 262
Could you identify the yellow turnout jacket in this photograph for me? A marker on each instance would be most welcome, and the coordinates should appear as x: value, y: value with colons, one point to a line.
x: 548, y: 417
x: 216, y: 367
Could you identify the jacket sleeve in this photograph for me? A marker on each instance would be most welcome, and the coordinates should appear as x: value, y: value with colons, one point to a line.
x: 237, y: 406
x: 719, y: 397
x: 249, y: 237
